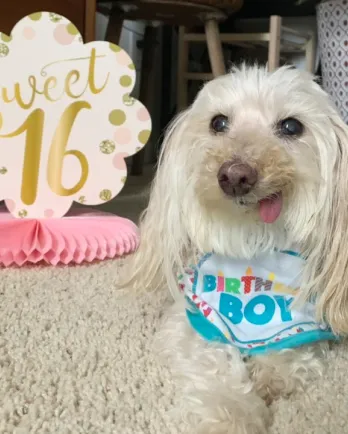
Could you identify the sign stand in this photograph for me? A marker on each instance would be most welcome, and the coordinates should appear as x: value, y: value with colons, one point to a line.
x: 67, y: 123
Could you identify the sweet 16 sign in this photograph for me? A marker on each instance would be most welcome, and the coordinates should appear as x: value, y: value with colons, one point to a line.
x: 67, y: 120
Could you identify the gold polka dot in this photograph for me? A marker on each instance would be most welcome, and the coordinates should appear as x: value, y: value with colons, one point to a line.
x: 131, y: 66
x: 22, y: 213
x: 81, y: 199
x: 6, y: 38
x: 3, y: 171
x: 144, y: 136
x: 4, y: 50
x: 125, y: 80
x: 107, y: 147
x: 72, y: 30
x: 105, y: 195
x: 117, y: 117
x: 55, y: 18
x: 123, y: 179
x: 128, y: 100
x: 36, y: 16
x: 114, y: 47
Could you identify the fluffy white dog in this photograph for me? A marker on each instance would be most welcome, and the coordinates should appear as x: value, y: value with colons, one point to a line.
x: 258, y: 164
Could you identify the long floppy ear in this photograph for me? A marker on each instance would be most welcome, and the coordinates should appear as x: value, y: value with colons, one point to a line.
x: 331, y: 280
x: 162, y: 235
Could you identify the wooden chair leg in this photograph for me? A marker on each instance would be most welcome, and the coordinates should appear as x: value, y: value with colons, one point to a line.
x: 89, y: 34
x: 183, y: 62
x: 147, y: 87
x: 114, y: 28
x: 274, y: 42
x: 310, y: 54
x: 215, y: 51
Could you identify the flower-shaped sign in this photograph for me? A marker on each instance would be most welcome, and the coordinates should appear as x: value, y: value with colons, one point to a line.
x: 67, y: 120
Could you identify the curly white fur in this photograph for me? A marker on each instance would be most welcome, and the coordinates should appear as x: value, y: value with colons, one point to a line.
x: 188, y: 215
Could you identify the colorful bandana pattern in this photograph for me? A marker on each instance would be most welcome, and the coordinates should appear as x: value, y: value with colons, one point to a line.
x: 249, y: 303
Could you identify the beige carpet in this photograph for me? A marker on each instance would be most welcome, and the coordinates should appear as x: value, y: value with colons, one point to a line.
x: 75, y: 357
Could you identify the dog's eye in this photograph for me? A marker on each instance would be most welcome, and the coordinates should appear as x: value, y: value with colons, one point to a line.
x: 219, y: 124
x: 290, y: 127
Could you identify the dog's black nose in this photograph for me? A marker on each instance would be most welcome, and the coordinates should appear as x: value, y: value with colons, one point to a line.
x: 236, y: 178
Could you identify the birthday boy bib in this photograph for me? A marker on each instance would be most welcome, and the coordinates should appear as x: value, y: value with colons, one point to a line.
x: 248, y: 303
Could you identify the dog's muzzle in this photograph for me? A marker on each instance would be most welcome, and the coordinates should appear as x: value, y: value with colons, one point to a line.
x: 237, y: 178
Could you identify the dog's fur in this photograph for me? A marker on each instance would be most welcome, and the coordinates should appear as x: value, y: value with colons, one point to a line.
x: 188, y: 215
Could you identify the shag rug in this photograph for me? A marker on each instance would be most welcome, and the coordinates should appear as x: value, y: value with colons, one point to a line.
x: 76, y: 357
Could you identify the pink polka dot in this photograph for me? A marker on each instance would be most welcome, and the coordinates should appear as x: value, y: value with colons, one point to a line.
x: 29, y: 33
x: 143, y: 114
x: 119, y: 162
x: 123, y: 136
x: 10, y: 204
x: 48, y: 213
x: 62, y: 36
x: 123, y: 58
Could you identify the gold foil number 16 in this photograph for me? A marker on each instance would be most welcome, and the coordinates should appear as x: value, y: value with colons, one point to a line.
x: 33, y: 128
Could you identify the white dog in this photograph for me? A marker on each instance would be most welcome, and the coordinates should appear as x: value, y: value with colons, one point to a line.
x: 257, y: 165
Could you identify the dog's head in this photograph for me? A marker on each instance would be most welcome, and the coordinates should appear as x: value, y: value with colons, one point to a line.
x: 258, y: 162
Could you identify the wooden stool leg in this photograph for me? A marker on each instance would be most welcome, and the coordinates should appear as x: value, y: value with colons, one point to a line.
x: 183, y: 62
x: 147, y: 85
x: 114, y: 28
x: 216, y: 55
x: 310, y: 54
x: 89, y: 34
x: 274, y: 42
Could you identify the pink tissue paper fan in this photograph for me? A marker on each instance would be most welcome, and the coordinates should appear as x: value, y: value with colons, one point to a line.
x: 80, y: 236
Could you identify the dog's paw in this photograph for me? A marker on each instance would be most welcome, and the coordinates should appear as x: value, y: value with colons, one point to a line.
x: 254, y: 418
x: 281, y: 374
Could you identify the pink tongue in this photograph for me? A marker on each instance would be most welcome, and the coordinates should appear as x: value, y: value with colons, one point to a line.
x: 270, y: 208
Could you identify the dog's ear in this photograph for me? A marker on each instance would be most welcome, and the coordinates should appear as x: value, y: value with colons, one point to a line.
x: 162, y: 238
x: 332, y: 273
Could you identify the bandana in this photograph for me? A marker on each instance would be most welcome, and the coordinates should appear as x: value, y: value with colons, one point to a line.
x: 248, y: 303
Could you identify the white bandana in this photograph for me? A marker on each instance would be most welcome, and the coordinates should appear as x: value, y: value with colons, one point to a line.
x: 247, y: 303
